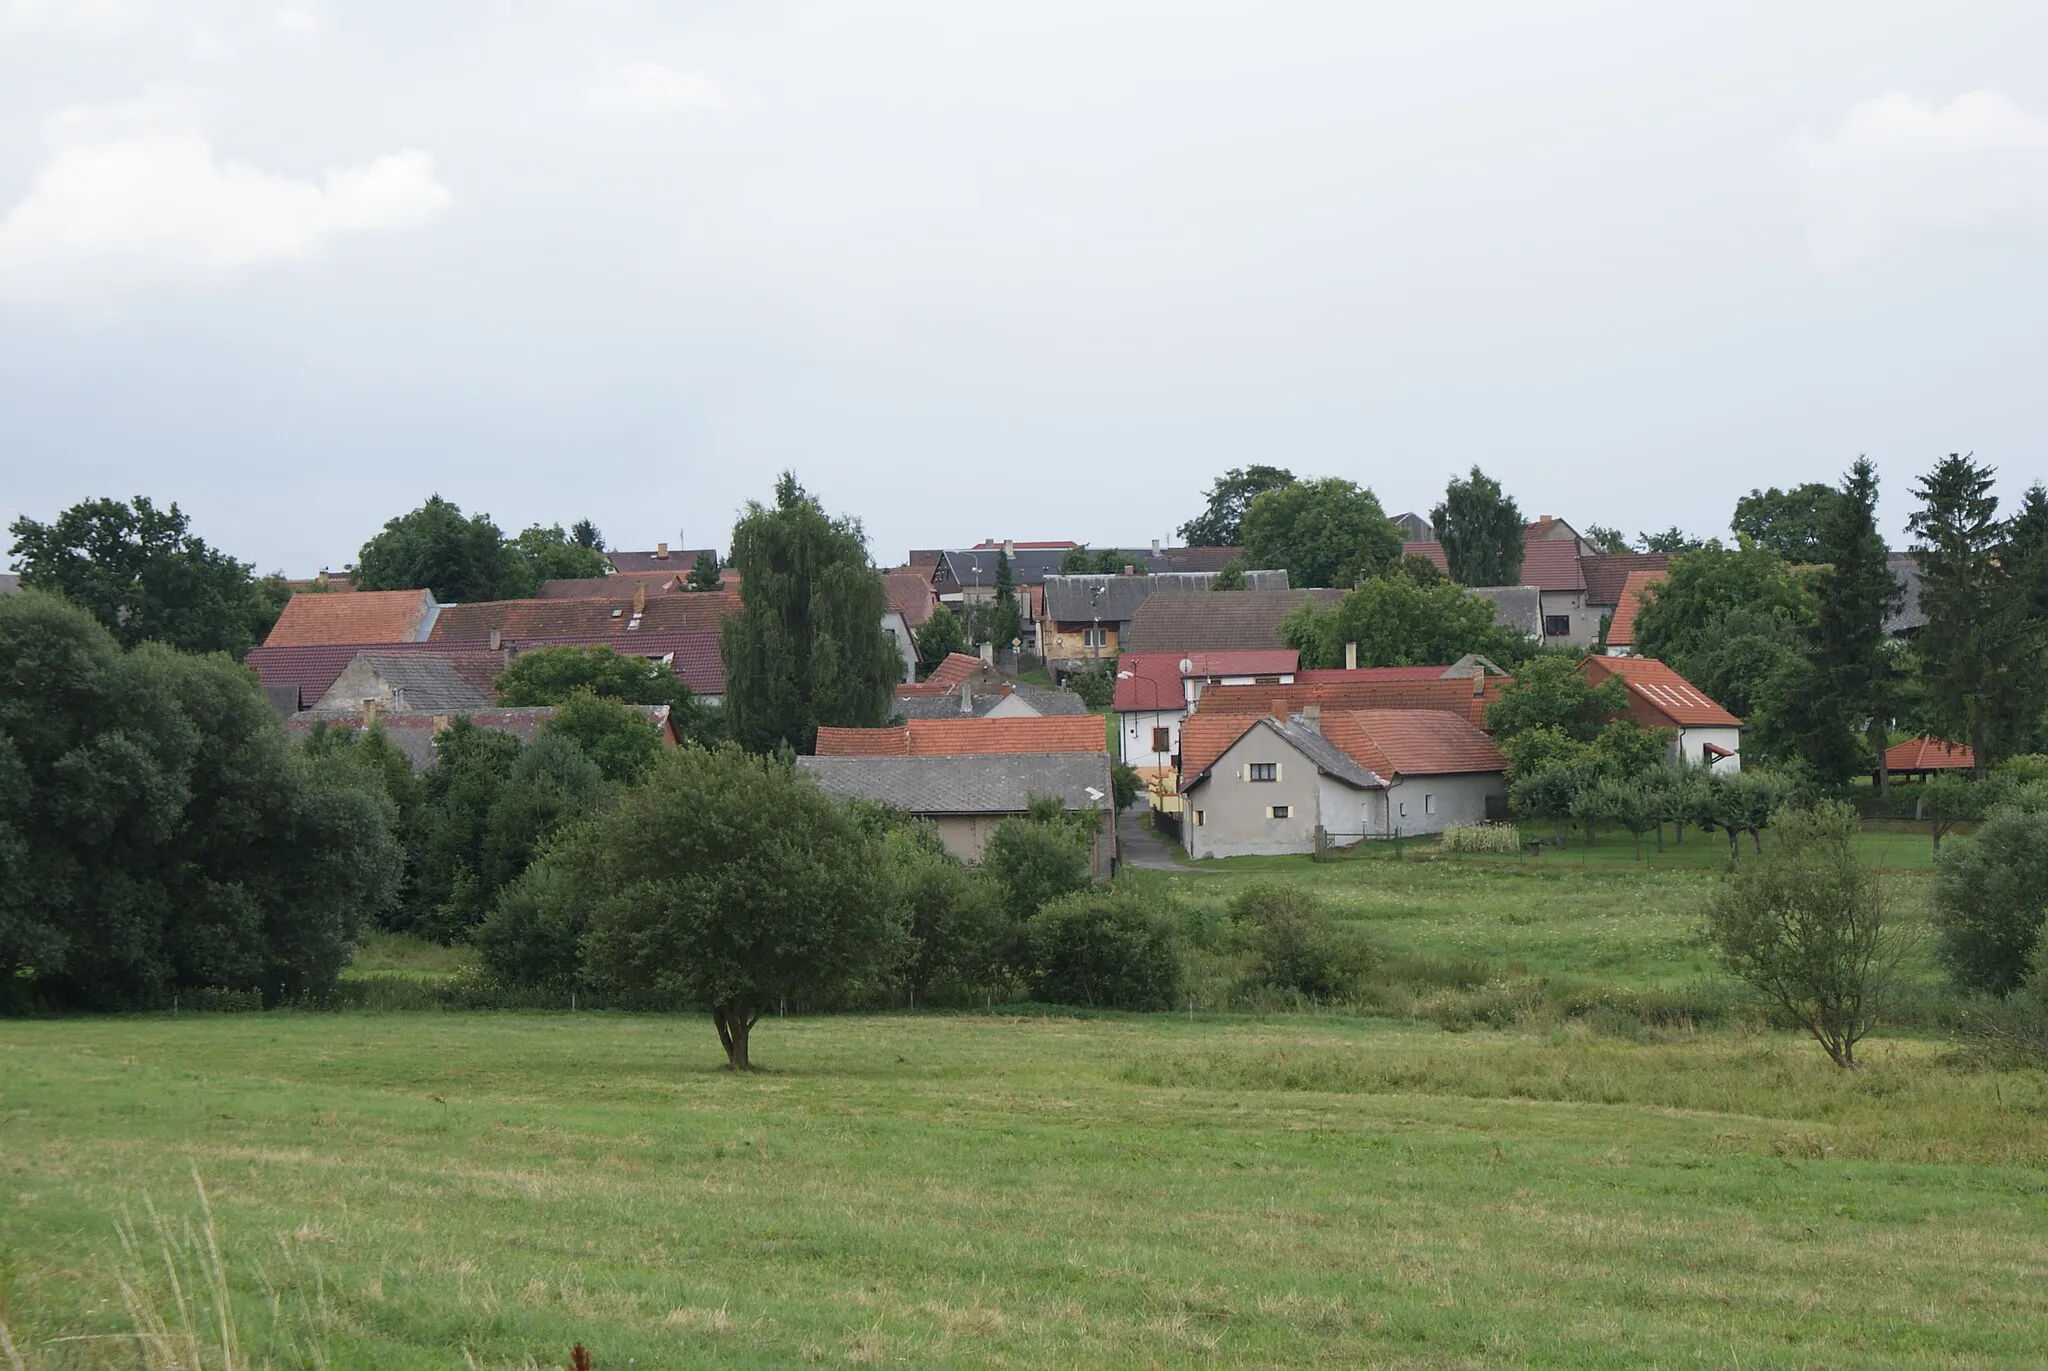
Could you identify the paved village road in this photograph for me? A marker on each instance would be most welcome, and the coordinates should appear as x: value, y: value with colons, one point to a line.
x: 1141, y: 846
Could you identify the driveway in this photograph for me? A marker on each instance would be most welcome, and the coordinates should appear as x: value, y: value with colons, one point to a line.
x: 1142, y: 847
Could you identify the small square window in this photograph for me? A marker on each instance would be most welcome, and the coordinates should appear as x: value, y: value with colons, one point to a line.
x: 1557, y: 625
x: 1265, y: 771
x: 1278, y: 811
x: 1199, y: 817
x: 1162, y: 740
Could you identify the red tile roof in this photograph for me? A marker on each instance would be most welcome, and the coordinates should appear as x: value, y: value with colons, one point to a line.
x: 1206, y: 736
x: 1621, y: 631
x: 1412, y: 742
x: 1152, y: 680
x: 910, y: 594
x: 610, y: 587
x: 1929, y: 754
x: 963, y: 737
x: 1658, y: 696
x: 608, y: 617
x: 1548, y: 563
x: 364, y: 616
x: 1337, y: 675
x: 950, y: 672
x: 1452, y: 695
x: 1608, y: 573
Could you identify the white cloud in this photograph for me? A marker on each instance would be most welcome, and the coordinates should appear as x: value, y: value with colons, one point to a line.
x: 121, y: 212
x: 1899, y: 167
x: 649, y: 89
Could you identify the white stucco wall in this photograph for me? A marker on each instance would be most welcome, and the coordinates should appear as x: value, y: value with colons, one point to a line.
x: 898, y: 629
x: 1235, y: 810
x: 1691, y: 743
x: 1430, y: 804
x: 1134, y: 737
x: 1585, y: 620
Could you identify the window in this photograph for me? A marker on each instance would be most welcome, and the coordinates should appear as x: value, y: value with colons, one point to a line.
x: 1557, y: 625
x: 1162, y: 740
x: 1265, y: 771
x: 1404, y: 809
x: 1429, y: 804
x: 1199, y: 817
x: 1277, y: 812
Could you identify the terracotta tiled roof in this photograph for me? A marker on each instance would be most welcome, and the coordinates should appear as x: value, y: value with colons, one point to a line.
x: 1412, y: 742
x: 366, y: 616
x: 962, y: 737
x: 610, y: 617
x: 1658, y: 696
x: 1199, y: 558
x: 1452, y: 695
x: 1607, y: 575
x: 1336, y: 676
x: 1929, y: 754
x: 1548, y: 562
x: 1152, y: 680
x: 1621, y: 631
x: 910, y: 594
x: 1182, y: 621
x: 1205, y: 736
x: 610, y: 587
x: 954, y: 668
x: 1431, y: 549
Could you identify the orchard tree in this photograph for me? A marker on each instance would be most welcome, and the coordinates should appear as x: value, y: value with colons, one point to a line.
x: 1481, y: 531
x: 729, y: 882
x: 1788, y: 522
x: 1327, y: 532
x: 1221, y: 524
x: 146, y: 577
x: 807, y: 646
x: 1809, y: 931
x: 461, y: 560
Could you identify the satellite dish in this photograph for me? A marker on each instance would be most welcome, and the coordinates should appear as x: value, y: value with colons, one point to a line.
x: 1187, y: 666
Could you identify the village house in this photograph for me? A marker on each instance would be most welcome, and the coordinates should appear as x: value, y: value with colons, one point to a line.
x: 1703, y: 733
x: 413, y: 732
x: 1266, y: 784
x: 1155, y: 692
x: 965, y: 796
x: 1088, y: 618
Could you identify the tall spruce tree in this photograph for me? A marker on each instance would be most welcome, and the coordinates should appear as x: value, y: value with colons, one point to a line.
x: 807, y: 646
x: 1972, y: 633
x: 1481, y: 530
x: 1854, y: 597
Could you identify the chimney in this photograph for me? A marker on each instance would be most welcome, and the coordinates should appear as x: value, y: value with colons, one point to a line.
x: 1312, y: 717
x: 988, y: 654
x: 1478, y: 682
x: 1351, y: 656
x: 1010, y: 548
x: 1130, y: 570
x: 966, y: 699
x: 496, y: 638
x: 640, y: 596
x: 661, y: 551
x: 1280, y: 706
x: 1155, y: 547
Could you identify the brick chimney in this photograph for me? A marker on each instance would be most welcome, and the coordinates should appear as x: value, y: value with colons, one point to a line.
x: 1280, y: 706
x: 1351, y: 656
x: 1312, y: 717
x: 640, y: 597
x: 661, y: 551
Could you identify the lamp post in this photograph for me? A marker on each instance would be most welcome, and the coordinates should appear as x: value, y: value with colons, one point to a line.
x: 1095, y: 608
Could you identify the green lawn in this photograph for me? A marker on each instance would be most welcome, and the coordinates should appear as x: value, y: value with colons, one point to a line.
x: 971, y: 1190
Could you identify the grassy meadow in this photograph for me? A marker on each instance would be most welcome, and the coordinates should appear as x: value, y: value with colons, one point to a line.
x: 1031, y: 1188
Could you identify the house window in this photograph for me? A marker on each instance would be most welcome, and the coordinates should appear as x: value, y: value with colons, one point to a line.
x: 1265, y: 771
x: 1199, y: 817
x: 1403, y: 807
x: 1162, y: 740
x: 1277, y: 812
x: 1429, y: 804
x: 1557, y: 625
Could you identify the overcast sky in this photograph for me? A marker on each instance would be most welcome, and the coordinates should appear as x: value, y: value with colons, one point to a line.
x: 1035, y: 271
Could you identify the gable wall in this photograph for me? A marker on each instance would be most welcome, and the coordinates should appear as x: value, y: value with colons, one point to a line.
x: 1234, y: 807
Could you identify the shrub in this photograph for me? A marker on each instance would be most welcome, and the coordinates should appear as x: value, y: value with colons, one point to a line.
x: 1096, y: 688
x: 951, y: 916
x: 1501, y: 839
x: 1295, y: 945
x: 1990, y: 899
x: 1106, y: 949
x: 1033, y: 863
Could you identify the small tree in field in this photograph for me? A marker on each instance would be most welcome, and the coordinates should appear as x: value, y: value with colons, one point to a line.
x: 1634, y: 803
x: 1807, y: 929
x: 730, y: 882
x: 1947, y: 800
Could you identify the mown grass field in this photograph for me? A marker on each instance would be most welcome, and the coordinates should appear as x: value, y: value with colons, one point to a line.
x: 1041, y: 1190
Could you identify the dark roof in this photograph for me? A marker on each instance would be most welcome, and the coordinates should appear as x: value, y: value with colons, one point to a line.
x: 414, y: 733
x: 972, y: 567
x: 600, y: 587
x: 1001, y: 783
x: 430, y: 683
x: 1517, y: 607
x: 610, y: 617
x: 1074, y: 599
x: 1905, y: 569
x: 1200, y: 558
x: 312, y: 668
x: 283, y: 698
x: 679, y: 562
x: 10, y: 583
x: 1051, y: 703
x: 910, y: 594
x: 1607, y: 574
x: 1216, y: 620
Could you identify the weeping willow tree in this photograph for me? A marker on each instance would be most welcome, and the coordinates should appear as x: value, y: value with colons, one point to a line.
x: 807, y: 646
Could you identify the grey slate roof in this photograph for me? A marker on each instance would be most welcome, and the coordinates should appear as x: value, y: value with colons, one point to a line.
x: 1327, y: 756
x: 1905, y: 569
x: 977, y: 566
x: 424, y: 684
x: 1518, y: 607
x: 1216, y: 620
x: 995, y: 783
x: 947, y: 706
x: 1074, y: 599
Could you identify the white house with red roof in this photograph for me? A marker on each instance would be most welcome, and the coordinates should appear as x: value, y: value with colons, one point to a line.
x: 1155, y: 691
x: 1703, y: 733
x: 1262, y: 785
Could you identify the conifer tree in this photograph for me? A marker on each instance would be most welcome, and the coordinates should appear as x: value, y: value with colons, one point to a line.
x: 1854, y: 597
x: 1971, y: 634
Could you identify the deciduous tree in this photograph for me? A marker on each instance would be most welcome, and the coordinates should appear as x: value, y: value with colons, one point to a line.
x: 1990, y: 900
x: 807, y: 647
x: 435, y: 547
x: 1551, y: 692
x: 1480, y: 528
x: 1788, y: 522
x: 1221, y: 524
x: 1327, y: 532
